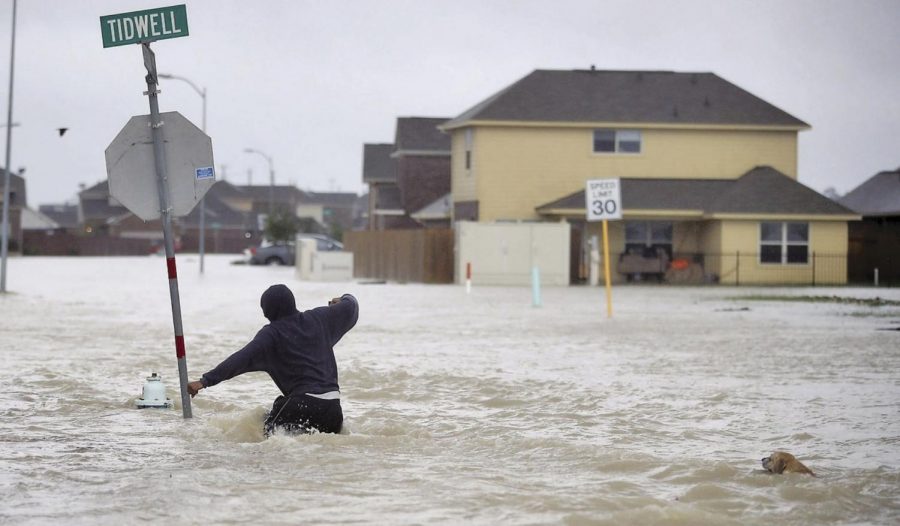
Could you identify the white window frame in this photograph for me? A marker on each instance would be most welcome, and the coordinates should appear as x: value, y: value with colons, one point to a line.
x: 784, y: 243
x: 619, y: 136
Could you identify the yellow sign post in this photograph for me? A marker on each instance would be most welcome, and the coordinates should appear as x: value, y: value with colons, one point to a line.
x: 606, y: 270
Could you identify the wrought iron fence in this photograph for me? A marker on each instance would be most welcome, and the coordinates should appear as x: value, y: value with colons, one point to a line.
x: 733, y: 268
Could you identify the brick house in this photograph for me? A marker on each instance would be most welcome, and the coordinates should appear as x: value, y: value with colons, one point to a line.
x: 386, y: 209
x: 422, y: 152
x: 230, y: 220
x: 409, y: 179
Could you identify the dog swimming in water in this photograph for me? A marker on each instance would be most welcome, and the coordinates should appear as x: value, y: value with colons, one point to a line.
x: 781, y: 462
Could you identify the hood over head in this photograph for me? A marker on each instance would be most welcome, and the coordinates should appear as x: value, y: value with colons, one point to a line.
x: 277, y: 302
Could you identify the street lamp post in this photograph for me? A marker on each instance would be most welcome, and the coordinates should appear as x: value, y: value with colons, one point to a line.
x: 271, y: 177
x: 202, y: 93
x: 4, y: 242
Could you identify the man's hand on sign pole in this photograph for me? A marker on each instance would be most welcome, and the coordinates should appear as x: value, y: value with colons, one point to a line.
x: 194, y: 387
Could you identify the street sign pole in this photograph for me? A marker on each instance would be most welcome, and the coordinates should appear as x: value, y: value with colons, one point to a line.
x: 4, y: 226
x: 159, y: 159
x: 606, y: 269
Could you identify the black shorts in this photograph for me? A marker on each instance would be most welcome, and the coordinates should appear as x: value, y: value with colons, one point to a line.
x: 304, y: 414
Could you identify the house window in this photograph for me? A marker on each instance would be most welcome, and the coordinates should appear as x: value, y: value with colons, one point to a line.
x: 468, y: 148
x: 783, y: 243
x: 617, y: 141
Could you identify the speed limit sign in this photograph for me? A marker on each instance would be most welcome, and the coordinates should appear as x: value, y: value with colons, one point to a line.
x: 603, y: 199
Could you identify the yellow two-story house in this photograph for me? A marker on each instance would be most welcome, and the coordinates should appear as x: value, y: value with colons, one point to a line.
x: 707, y: 171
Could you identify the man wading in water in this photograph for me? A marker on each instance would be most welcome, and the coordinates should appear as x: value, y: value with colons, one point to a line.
x: 297, y: 350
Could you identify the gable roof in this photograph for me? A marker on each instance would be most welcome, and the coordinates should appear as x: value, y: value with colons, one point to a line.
x: 95, y: 203
x: 420, y: 135
x: 378, y: 166
x: 225, y: 190
x: 644, y: 97
x: 762, y: 190
x: 35, y: 220
x: 765, y: 190
x: 438, y: 209
x: 878, y: 196
x: 64, y: 215
x: 98, y: 191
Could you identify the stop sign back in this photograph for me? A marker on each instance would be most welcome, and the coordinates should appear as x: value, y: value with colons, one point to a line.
x: 132, y: 173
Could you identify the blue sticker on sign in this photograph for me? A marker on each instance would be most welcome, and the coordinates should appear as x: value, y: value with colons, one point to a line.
x: 206, y: 173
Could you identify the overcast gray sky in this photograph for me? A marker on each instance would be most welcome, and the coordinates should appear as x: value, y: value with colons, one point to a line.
x: 309, y: 82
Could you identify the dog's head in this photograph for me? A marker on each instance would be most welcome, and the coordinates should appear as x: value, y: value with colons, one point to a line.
x: 777, y: 461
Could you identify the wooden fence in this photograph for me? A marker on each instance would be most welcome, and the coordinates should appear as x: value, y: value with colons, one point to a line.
x: 418, y: 256
x: 40, y: 243
x: 56, y: 243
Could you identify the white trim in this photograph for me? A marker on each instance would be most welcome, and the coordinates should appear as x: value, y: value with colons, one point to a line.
x: 421, y: 153
x: 430, y: 216
x: 796, y: 218
x: 626, y: 124
x: 392, y: 212
x: 330, y: 395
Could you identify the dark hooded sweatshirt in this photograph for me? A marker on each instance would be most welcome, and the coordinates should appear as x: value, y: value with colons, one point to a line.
x: 296, y: 348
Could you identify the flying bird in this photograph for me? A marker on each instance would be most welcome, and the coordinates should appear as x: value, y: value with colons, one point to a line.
x: 62, y: 131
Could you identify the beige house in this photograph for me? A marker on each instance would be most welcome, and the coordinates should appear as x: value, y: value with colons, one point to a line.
x: 708, y: 174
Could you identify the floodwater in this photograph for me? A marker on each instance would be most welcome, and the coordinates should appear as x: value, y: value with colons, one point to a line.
x: 460, y: 409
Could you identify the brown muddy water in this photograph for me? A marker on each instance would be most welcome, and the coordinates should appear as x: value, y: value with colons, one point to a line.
x: 477, y: 409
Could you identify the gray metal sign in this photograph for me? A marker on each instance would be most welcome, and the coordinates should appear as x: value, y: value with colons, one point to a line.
x: 131, y: 172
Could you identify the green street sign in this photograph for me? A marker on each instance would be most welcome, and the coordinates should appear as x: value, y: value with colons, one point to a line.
x: 144, y: 26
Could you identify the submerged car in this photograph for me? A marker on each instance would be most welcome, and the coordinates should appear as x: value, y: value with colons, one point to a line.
x: 283, y: 252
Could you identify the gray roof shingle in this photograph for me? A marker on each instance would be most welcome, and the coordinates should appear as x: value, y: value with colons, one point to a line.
x: 762, y: 190
x: 658, y: 97
x: 421, y: 134
x: 765, y: 190
x: 877, y: 196
x: 218, y: 213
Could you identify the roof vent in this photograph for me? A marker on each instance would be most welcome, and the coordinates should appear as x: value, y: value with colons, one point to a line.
x: 706, y: 101
x: 593, y: 67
